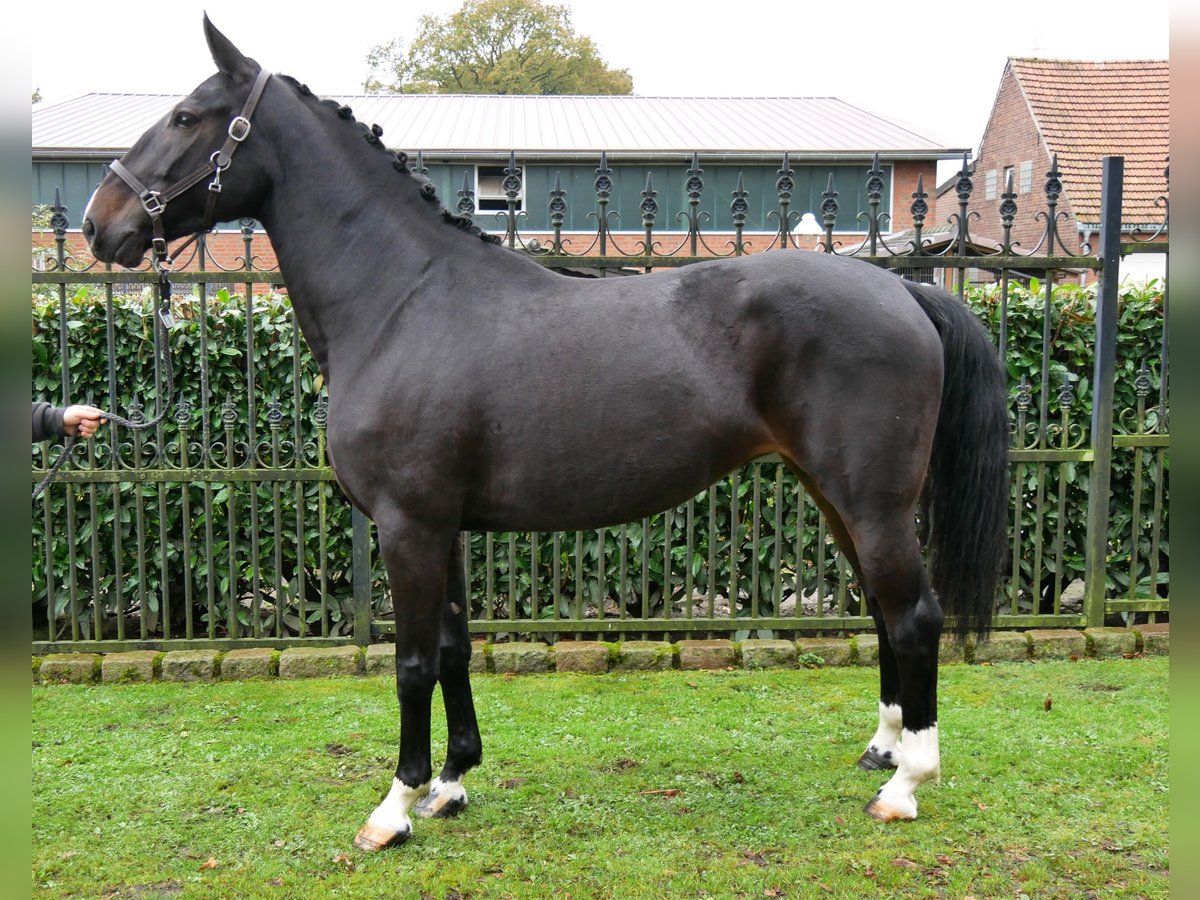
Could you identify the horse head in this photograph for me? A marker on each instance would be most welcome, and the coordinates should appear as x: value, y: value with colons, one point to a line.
x: 173, y: 180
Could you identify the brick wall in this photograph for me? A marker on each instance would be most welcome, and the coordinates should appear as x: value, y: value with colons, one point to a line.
x: 1011, y: 138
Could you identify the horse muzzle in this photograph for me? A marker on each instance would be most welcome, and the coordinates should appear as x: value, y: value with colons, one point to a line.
x: 116, y: 228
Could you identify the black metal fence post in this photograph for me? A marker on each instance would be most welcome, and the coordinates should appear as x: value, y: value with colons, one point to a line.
x: 1095, y: 569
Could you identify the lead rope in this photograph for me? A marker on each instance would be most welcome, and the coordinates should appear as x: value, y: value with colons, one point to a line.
x: 163, y: 322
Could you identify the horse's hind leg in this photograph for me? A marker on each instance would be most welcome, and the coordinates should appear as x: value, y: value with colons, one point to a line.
x: 464, y: 749
x: 875, y: 527
x: 416, y: 557
x: 881, y: 752
x: 913, y: 624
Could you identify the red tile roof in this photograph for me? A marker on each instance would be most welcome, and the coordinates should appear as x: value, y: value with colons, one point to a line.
x: 1088, y: 110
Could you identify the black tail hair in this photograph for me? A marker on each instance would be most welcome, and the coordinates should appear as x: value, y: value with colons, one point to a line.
x: 967, y: 492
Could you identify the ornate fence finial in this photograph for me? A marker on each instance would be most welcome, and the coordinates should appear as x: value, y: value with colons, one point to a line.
x: 512, y: 178
x: 920, y: 206
x: 1024, y: 395
x: 466, y: 197
x: 829, y: 211
x: 784, y: 186
x: 1008, y: 211
x: 228, y: 413
x: 512, y: 193
x: 183, y: 413
x: 603, y: 183
x: 1053, y: 182
x: 739, y: 207
x: 558, y: 211
x: 419, y: 167
x: 963, y: 185
x: 1142, y: 382
x: 649, y: 208
x: 1066, y: 393
x: 58, y: 217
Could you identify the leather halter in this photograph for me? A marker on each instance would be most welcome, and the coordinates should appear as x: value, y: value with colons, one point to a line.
x: 155, y: 202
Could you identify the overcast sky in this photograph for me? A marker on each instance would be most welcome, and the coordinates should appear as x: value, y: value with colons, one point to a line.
x: 935, y: 66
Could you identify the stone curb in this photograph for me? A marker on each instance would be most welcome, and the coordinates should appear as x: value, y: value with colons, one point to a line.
x: 254, y: 662
x: 866, y: 649
x: 519, y: 658
x: 1057, y: 643
x: 69, y: 668
x: 135, y: 665
x: 714, y: 654
x: 190, y: 665
x: 824, y: 651
x: 584, y: 657
x: 768, y: 654
x: 1154, y: 640
x: 320, y: 662
x: 1002, y: 646
x: 592, y: 657
x: 644, y: 656
x: 1107, y: 643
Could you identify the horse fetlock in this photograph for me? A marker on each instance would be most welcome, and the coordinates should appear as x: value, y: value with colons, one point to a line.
x: 874, y: 760
x: 883, y: 751
x: 445, y: 799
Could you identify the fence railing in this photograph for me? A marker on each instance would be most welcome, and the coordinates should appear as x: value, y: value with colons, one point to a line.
x: 223, y: 526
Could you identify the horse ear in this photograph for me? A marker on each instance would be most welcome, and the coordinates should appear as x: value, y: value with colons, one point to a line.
x: 229, y: 59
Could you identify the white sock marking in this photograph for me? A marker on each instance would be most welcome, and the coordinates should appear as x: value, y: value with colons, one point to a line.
x: 888, y: 733
x: 392, y: 812
x: 919, y: 762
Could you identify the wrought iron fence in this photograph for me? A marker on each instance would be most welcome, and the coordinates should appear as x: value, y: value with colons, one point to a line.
x: 224, y: 527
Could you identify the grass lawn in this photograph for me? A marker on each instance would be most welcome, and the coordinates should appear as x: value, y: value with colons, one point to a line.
x: 657, y: 785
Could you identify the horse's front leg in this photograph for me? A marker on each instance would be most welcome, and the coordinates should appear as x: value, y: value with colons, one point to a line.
x: 464, y: 749
x: 416, y: 556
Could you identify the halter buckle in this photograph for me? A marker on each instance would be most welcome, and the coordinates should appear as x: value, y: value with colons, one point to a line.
x: 153, y: 203
x: 239, y: 129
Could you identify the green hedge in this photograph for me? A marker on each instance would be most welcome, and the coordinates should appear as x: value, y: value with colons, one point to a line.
x: 279, y: 374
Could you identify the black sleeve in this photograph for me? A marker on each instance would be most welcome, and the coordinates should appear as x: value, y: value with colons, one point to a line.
x: 47, y: 421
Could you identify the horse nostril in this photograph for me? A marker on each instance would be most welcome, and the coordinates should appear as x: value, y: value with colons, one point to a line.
x: 89, y: 229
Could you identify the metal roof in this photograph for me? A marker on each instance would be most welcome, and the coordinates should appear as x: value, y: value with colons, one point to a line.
x: 558, y: 126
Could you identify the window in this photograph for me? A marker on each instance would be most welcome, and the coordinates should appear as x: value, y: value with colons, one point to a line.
x: 1008, y: 178
x: 1027, y: 176
x: 489, y: 194
x: 989, y: 185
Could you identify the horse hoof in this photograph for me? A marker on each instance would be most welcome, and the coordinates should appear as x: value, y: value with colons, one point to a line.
x: 372, y: 838
x: 443, y: 801
x: 873, y: 761
x: 881, y: 810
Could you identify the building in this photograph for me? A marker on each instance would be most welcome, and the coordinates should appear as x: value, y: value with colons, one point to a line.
x: 1075, y: 112
x: 559, y: 139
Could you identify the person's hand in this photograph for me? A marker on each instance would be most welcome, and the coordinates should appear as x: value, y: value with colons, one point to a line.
x: 82, y: 420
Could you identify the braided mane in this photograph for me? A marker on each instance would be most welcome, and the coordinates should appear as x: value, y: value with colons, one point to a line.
x: 399, y: 159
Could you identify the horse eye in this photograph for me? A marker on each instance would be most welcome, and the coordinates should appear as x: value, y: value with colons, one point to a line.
x: 184, y: 120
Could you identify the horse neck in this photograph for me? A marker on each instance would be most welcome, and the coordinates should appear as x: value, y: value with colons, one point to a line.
x: 355, y: 239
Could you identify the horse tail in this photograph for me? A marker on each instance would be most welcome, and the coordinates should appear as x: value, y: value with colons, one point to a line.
x: 966, y: 493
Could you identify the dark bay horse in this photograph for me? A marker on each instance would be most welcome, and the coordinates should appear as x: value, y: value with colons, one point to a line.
x: 471, y: 388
